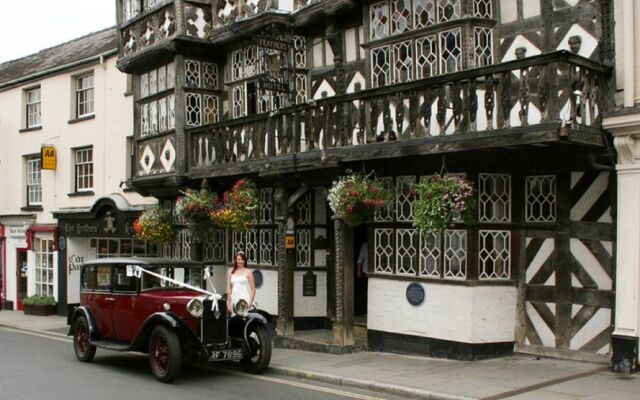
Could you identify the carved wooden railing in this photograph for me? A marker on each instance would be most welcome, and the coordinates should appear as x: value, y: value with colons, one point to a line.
x: 555, y: 87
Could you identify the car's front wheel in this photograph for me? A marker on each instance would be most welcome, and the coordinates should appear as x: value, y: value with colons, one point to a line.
x: 85, y: 351
x: 259, y: 349
x: 164, y: 354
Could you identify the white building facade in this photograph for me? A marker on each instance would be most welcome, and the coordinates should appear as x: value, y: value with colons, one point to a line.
x: 73, y: 101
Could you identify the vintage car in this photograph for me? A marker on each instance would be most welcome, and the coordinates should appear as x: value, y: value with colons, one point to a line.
x: 159, y: 307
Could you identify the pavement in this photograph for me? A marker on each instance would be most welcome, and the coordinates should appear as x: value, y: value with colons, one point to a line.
x: 520, y: 377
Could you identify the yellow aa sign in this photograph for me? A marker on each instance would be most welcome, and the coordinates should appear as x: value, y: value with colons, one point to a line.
x: 49, y: 157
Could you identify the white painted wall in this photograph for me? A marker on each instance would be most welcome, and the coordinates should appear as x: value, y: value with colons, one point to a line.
x: 483, y: 314
x: 310, y: 306
x: 77, y: 253
x: 267, y: 294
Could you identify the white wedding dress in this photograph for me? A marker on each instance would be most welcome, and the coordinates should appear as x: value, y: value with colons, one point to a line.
x: 240, y: 289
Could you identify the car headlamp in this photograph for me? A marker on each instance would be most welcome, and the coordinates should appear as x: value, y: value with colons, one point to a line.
x: 241, y: 308
x: 195, y: 307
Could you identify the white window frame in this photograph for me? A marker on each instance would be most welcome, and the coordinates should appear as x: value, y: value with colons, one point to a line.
x: 34, y: 181
x: 33, y: 107
x: 83, y: 169
x: 85, y: 95
x: 45, y: 279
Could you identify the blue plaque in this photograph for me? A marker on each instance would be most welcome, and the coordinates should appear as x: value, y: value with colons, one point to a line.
x: 257, y: 277
x: 415, y: 294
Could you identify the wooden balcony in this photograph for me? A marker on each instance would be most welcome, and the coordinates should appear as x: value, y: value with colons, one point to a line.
x: 551, y: 98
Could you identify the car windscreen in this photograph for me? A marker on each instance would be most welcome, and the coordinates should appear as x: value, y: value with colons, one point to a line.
x: 191, y: 276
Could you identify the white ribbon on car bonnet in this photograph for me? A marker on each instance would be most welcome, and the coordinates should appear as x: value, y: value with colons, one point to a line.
x: 138, y: 271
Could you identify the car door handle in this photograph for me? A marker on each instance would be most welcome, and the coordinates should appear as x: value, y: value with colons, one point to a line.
x: 109, y: 299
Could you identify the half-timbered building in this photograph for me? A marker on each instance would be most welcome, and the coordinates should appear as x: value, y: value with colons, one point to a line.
x: 507, y: 93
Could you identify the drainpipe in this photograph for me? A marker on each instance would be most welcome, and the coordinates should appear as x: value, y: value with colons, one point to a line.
x: 3, y: 260
x: 629, y: 52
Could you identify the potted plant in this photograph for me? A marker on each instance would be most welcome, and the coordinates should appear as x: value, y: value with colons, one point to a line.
x: 355, y: 198
x: 39, y: 305
x: 239, y: 207
x: 441, y: 201
x: 156, y: 225
x: 195, y: 207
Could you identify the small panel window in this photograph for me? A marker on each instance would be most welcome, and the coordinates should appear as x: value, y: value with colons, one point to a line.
x: 103, y: 278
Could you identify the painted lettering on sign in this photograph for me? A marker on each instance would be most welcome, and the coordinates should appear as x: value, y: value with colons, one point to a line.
x: 48, y: 157
x: 74, y: 262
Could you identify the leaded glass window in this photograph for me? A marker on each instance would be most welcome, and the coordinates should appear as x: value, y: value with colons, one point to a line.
x: 483, y: 46
x: 494, y: 192
x: 540, y: 192
x: 494, y: 257
x: 403, y: 62
x: 424, y: 13
x: 426, y: 57
x: 379, y: 20
x: 380, y: 66
x: 400, y: 16
x: 450, y: 51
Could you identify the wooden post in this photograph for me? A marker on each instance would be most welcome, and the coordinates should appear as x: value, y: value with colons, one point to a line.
x: 286, y: 263
x: 343, y: 326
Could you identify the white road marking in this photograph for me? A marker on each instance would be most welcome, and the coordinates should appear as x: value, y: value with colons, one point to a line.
x: 257, y: 377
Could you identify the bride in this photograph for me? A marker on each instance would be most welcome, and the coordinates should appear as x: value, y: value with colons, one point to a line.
x: 240, y: 282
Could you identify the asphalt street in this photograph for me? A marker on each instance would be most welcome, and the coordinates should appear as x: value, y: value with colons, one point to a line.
x: 34, y: 365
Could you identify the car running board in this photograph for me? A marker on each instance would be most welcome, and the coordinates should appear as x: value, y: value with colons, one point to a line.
x: 110, y: 345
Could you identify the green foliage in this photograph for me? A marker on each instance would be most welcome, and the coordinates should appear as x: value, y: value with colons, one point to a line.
x: 239, y: 208
x: 440, y: 201
x: 39, y: 300
x: 355, y: 198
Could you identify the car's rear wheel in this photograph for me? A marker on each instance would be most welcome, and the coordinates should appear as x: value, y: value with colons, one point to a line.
x: 84, y: 350
x: 164, y: 354
x: 259, y: 349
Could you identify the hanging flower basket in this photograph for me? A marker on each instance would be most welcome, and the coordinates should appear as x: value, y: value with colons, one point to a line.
x: 355, y: 198
x: 239, y: 207
x: 441, y: 201
x: 156, y: 225
x: 194, y: 207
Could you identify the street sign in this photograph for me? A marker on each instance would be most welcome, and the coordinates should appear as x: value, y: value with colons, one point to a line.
x: 49, y: 157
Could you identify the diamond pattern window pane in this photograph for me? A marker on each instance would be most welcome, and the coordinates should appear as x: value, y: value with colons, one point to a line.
x: 379, y: 20
x: 407, y: 254
x: 213, y: 246
x: 383, y: 251
x: 303, y: 210
x: 404, y: 198
x: 303, y: 247
x: 400, y: 16
x: 266, y: 206
x: 210, y: 109
x: 193, y: 104
x: 300, y: 45
x: 237, y: 64
x: 264, y: 101
x: 192, y: 73
x: 541, y: 198
x: 483, y: 45
x: 385, y: 215
x: 250, y: 61
x: 301, y: 89
x: 380, y: 67
x: 455, y: 254
x: 238, y: 102
x: 426, y: 58
x: 450, y: 51
x: 495, y: 198
x: 482, y: 8
x: 448, y: 10
x: 252, y: 246
x: 430, y: 255
x: 182, y: 247
x: 494, y: 258
x: 424, y: 13
x: 238, y: 242
x: 209, y: 76
x: 402, y: 62
x: 267, y: 247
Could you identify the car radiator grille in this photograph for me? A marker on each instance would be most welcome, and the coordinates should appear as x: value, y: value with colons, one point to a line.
x: 214, y: 330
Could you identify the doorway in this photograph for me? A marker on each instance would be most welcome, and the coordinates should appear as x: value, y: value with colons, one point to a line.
x: 360, y: 272
x: 21, y: 277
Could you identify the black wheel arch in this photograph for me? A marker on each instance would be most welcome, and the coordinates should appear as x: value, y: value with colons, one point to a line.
x: 84, y: 311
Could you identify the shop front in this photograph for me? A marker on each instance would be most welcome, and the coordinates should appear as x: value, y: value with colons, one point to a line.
x: 103, y: 230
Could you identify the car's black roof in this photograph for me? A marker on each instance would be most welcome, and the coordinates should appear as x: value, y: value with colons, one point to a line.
x: 150, y: 261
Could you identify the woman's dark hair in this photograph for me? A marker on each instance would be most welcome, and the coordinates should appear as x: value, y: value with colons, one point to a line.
x: 235, y: 260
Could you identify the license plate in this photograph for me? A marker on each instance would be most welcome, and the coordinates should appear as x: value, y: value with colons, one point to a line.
x: 226, y: 355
